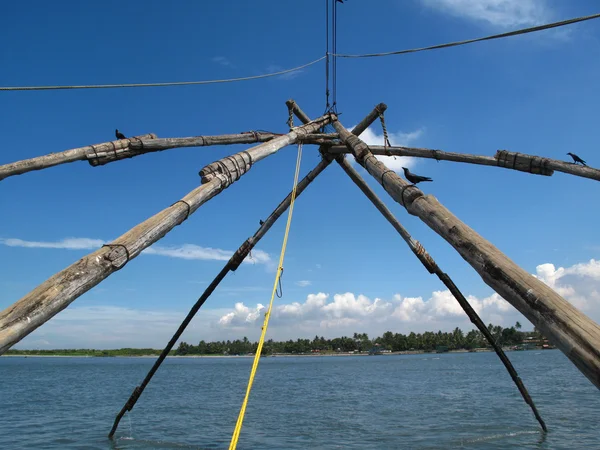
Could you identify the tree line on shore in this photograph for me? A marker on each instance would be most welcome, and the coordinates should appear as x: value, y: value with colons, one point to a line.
x: 427, y: 341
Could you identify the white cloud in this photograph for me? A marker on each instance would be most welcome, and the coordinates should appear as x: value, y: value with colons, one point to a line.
x: 185, y: 251
x: 103, y: 327
x: 442, y: 306
x: 395, y: 163
x: 241, y: 315
x: 303, y: 283
x: 222, y: 60
x: 348, y: 312
x: 501, y: 13
x: 192, y: 251
x: 347, y: 308
x: 286, y: 76
x: 320, y: 313
x: 580, y: 283
x: 67, y: 243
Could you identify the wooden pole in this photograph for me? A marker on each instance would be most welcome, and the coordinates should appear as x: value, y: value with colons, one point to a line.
x: 233, y: 263
x: 56, y: 293
x: 509, y: 160
x: 357, y: 130
x: 433, y: 268
x: 421, y: 253
x: 575, y: 334
x: 101, y: 154
x: 67, y: 156
x: 139, y: 147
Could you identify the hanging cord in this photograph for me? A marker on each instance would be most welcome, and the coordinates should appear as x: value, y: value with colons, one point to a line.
x: 290, y: 121
x: 327, y: 105
x: 238, y: 426
x: 386, y: 139
x: 334, y: 67
x: 331, y: 59
x: 280, y: 293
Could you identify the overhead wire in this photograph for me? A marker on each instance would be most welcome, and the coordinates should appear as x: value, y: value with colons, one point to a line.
x: 174, y: 83
x: 330, y: 57
x: 470, y: 41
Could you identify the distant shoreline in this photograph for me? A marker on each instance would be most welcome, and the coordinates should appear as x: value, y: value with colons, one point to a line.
x: 283, y: 355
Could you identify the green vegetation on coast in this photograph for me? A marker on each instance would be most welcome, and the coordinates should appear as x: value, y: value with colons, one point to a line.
x: 359, y: 342
x: 88, y: 352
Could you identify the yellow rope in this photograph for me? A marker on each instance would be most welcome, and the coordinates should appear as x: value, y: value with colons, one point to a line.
x: 238, y: 425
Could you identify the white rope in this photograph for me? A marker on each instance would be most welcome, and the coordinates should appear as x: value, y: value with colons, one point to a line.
x: 175, y: 83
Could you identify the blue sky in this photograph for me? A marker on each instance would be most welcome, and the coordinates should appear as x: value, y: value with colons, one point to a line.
x: 346, y: 269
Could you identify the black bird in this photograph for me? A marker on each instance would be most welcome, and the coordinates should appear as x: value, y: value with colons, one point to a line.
x: 576, y: 158
x: 261, y: 223
x: 414, y: 179
x: 119, y: 135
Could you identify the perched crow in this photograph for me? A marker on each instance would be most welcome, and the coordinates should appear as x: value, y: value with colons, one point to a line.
x: 261, y: 223
x: 576, y: 158
x: 119, y: 135
x: 414, y: 179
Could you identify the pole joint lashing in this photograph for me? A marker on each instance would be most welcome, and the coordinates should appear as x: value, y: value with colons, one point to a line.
x: 135, y: 395
x: 386, y: 139
x: 240, y: 254
x: 290, y: 121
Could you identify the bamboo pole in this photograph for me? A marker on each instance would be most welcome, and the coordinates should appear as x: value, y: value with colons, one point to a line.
x: 56, y: 293
x: 67, y: 156
x: 575, y: 334
x: 101, y: 154
x: 433, y: 268
x: 509, y: 160
x: 233, y: 263
x: 139, y: 147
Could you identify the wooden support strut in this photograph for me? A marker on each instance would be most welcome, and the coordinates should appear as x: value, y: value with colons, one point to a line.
x: 424, y: 256
x: 139, y: 147
x: 509, y: 160
x: 433, y: 268
x: 107, y: 152
x: 56, y: 293
x: 575, y: 334
x: 68, y: 156
x: 236, y: 259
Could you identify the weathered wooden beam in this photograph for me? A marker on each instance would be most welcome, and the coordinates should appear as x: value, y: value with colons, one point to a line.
x: 509, y: 160
x: 234, y: 262
x: 295, y: 109
x: 433, y: 268
x: 142, y: 146
x: 521, y: 161
x: 101, y: 154
x: 575, y: 334
x: 357, y: 130
x: 56, y: 293
x: 67, y: 156
x: 369, y: 119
